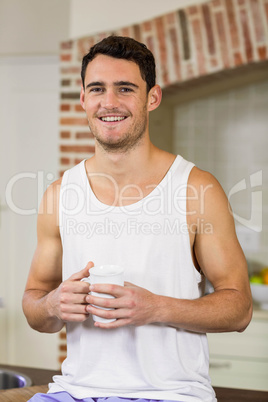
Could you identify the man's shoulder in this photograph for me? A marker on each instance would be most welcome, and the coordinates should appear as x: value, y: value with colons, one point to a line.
x: 201, y: 178
x: 204, y: 193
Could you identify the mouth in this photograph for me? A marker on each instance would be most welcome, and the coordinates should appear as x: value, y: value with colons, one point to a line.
x: 112, y: 118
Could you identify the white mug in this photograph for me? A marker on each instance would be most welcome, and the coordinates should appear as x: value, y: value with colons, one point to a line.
x: 111, y: 274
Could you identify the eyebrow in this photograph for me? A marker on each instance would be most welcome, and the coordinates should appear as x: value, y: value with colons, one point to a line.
x: 116, y: 83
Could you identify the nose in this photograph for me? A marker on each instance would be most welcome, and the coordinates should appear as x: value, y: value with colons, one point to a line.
x: 109, y: 99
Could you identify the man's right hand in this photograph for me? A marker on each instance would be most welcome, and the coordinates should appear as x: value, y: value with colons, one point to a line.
x: 68, y: 301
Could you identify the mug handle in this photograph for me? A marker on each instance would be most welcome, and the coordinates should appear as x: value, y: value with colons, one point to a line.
x: 85, y: 280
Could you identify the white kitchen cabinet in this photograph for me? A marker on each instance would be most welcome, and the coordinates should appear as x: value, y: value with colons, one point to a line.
x: 240, y: 360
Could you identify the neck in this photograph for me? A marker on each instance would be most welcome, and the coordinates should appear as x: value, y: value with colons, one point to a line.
x: 124, y: 167
x: 124, y: 178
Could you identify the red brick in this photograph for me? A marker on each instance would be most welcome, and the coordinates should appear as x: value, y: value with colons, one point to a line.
x: 73, y: 121
x: 78, y: 108
x: 208, y: 26
x: 103, y: 35
x: 190, y: 71
x: 78, y: 160
x: 216, y: 3
x: 201, y: 62
x: 66, y: 45
x: 214, y: 62
x: 262, y: 52
x: 232, y: 24
x: 162, y: 48
x: 83, y: 135
x: 222, y: 39
x: 147, y: 26
x: 246, y: 35
x: 150, y: 43
x: 241, y: 2
x: 171, y: 18
x: 83, y: 45
x: 238, y: 59
x: 65, y: 161
x: 65, y: 108
x: 137, y: 32
x: 63, y: 348
x: 193, y: 10
x: 125, y: 31
x: 266, y: 12
x: 66, y: 57
x: 65, y: 134
x: 70, y: 95
x: 257, y: 20
x: 65, y: 83
x: 62, y: 334
x: 61, y: 359
x: 70, y: 70
x: 175, y: 50
x: 77, y: 148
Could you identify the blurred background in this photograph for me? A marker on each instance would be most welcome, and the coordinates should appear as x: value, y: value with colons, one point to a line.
x: 217, y: 120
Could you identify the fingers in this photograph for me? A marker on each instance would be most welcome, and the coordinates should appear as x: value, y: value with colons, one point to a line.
x: 115, y: 314
x: 72, y: 286
x: 72, y: 295
x: 72, y: 301
x: 109, y: 289
x: 115, y: 324
x: 84, y: 273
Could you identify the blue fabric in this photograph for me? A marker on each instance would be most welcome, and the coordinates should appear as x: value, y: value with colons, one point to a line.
x: 65, y: 397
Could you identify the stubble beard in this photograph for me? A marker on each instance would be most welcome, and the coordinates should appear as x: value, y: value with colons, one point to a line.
x: 129, y: 141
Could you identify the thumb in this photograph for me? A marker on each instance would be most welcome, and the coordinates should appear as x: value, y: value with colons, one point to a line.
x: 84, y: 273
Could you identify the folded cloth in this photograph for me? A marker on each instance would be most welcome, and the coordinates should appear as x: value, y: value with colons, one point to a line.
x: 65, y: 397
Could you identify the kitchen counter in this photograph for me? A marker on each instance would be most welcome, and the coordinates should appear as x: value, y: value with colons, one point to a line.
x: 41, y: 378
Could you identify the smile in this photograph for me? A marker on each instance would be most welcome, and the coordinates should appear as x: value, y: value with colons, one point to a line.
x: 113, y: 118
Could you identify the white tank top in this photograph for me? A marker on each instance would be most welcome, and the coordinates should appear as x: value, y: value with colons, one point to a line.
x: 150, y: 240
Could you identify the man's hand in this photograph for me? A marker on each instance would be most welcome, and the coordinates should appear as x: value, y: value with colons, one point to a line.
x: 68, y: 301
x: 132, y: 305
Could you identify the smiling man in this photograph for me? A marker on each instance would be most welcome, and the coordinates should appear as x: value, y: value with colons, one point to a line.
x: 116, y: 109
x: 166, y: 222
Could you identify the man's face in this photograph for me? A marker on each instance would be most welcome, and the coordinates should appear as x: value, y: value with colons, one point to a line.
x: 116, y: 102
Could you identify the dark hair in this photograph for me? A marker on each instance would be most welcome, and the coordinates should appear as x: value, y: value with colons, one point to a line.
x: 122, y: 47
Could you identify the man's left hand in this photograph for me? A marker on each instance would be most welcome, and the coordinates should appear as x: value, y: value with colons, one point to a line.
x: 132, y: 305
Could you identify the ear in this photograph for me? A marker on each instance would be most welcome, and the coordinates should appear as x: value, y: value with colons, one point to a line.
x: 154, y: 98
x: 82, y: 97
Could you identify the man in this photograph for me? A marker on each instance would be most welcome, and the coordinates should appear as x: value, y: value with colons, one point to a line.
x: 165, y: 221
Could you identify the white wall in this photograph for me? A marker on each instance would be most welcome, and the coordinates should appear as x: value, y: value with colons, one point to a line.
x: 29, y: 157
x: 90, y: 16
x: 30, y: 27
x: 30, y: 36
x: 37, y: 26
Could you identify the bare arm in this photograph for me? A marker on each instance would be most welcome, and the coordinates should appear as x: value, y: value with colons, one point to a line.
x: 218, y: 254
x: 221, y: 259
x: 47, y: 301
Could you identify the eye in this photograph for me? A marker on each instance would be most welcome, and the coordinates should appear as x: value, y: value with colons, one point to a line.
x: 96, y: 89
x: 126, y: 89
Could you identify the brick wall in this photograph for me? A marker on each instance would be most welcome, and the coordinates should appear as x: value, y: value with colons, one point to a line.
x: 188, y: 43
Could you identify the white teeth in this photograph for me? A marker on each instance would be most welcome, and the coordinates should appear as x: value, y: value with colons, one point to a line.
x: 112, y: 118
